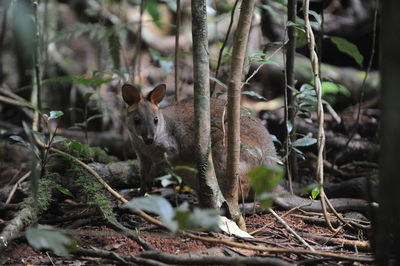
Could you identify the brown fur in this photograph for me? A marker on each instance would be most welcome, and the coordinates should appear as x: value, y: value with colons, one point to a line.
x: 174, y: 134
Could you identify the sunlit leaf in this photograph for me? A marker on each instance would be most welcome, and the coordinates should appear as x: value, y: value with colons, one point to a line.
x: 55, y: 114
x: 157, y: 205
x: 304, y: 142
x: 253, y: 94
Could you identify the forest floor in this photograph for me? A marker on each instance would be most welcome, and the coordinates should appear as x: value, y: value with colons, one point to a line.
x: 93, y: 232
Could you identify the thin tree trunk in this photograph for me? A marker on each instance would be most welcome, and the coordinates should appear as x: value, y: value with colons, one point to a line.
x: 291, y: 112
x: 210, y: 195
x: 233, y: 156
x: 387, y: 227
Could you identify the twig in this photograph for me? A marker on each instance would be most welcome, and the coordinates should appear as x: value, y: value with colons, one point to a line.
x: 12, y: 192
x: 97, y: 253
x: 361, y: 245
x: 290, y: 229
x: 221, y: 51
x: 261, y: 65
x: 278, y: 250
x: 177, y: 34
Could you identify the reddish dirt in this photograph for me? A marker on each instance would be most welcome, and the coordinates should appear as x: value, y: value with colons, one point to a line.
x: 105, y: 238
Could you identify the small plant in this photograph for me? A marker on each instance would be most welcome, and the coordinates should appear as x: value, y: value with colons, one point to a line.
x: 176, y: 218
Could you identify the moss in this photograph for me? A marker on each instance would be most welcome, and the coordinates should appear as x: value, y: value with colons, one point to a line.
x: 46, y: 188
x: 93, y: 192
x: 86, y: 153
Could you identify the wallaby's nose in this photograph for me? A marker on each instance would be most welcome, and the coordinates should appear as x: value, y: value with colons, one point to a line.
x: 148, y: 140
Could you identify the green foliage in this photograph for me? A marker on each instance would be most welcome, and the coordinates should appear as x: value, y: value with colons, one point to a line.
x: 313, y: 189
x: 176, y: 218
x: 49, y: 238
x: 115, y: 47
x: 254, y: 94
x: 348, y: 48
x: 166, y: 64
x: 55, y: 114
x: 151, y: 6
x: 85, y: 152
x: 172, y: 178
x: 262, y: 180
x: 304, y: 142
x: 85, y: 81
x: 262, y: 58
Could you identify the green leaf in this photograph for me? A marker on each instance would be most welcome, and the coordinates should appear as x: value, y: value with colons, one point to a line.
x: 316, y: 16
x: 264, y: 179
x: 55, y: 114
x: 304, y: 142
x: 65, y: 191
x: 334, y: 88
x: 315, y: 192
x: 314, y: 189
x: 94, y: 117
x: 253, y: 94
x: 19, y: 139
x: 157, y: 205
x: 152, y: 7
x: 223, y: 85
x: 75, y: 145
x: 247, y: 110
x: 51, y: 239
x: 348, y: 48
x: 199, y: 218
x: 185, y: 167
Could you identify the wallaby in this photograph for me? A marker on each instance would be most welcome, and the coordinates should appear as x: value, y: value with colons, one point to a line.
x: 170, y: 130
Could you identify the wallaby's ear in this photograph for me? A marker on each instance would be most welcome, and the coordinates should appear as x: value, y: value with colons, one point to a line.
x: 131, y: 94
x: 157, y: 94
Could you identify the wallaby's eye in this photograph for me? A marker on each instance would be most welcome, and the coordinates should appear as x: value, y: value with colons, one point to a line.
x: 155, y: 120
x: 137, y: 120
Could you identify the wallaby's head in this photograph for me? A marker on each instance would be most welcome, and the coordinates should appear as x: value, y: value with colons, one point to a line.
x: 144, y: 118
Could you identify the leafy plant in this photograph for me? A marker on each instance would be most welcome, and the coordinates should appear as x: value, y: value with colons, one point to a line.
x: 262, y: 180
x: 348, y: 48
x: 176, y: 218
x: 86, y: 118
x: 46, y: 237
x: 172, y: 178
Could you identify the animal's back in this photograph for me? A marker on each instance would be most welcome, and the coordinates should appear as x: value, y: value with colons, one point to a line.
x: 256, y: 144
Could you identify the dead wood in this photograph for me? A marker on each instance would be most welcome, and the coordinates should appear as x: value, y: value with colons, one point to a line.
x: 15, y: 226
x: 211, y: 260
x: 347, y: 243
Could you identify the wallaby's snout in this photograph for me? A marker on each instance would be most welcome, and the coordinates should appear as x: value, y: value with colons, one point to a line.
x: 148, y: 139
x: 143, y: 113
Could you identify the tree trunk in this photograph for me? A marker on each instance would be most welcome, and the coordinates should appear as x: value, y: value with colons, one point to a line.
x: 210, y: 195
x: 234, y: 85
x: 387, y: 227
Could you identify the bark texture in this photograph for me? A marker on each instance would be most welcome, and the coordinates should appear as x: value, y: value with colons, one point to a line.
x: 234, y: 85
x: 387, y: 227
x: 210, y: 195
